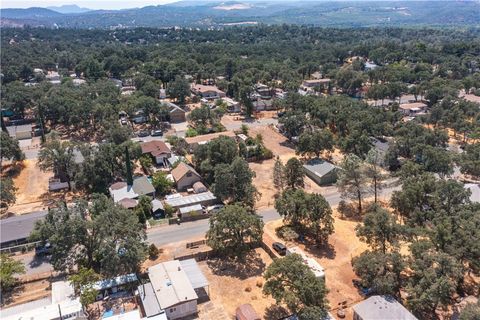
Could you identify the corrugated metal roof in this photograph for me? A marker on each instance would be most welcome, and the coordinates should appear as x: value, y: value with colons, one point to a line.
x: 382, y: 307
x: 185, y: 201
x: 194, y: 274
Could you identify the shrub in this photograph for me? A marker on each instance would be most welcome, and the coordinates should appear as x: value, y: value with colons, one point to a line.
x: 153, y: 252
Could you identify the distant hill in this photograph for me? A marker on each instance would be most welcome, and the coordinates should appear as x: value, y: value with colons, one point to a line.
x: 30, y: 13
x: 69, y: 8
x: 204, y: 14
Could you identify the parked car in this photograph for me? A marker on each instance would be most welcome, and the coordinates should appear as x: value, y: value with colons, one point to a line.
x: 214, y: 209
x: 143, y: 134
x: 43, y: 250
x: 157, y: 133
x: 280, y: 248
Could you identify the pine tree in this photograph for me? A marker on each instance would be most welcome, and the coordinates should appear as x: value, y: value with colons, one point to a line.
x: 279, y: 175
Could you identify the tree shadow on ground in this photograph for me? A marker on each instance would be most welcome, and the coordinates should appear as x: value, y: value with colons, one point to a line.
x: 275, y: 312
x: 288, y: 144
x: 38, y: 261
x: 250, y: 265
x: 326, y: 250
x: 12, y: 170
x: 8, y: 297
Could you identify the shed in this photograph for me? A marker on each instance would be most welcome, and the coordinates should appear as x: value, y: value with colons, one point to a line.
x: 321, y: 171
x: 246, y: 312
x: 158, y: 210
x: 191, y: 210
x: 199, y: 187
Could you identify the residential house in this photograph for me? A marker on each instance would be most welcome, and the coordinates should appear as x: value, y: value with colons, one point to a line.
x: 179, y: 201
x: 141, y: 187
x: 176, y: 113
x: 321, y: 171
x: 381, y: 307
x: 60, y: 305
x: 173, y: 290
x: 475, y: 192
x: 20, y: 132
x: 16, y: 230
x: 158, y: 150
x: 311, y: 84
x: 53, y: 77
x: 207, y: 91
x: 185, y: 176
x: 413, y: 109
x: 263, y: 91
x: 261, y: 105
x: 115, y: 286
x: 232, y: 105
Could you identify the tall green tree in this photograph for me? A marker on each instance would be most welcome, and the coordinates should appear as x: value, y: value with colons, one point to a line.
x: 294, y: 174
x: 233, y: 183
x: 10, y: 148
x: 314, y: 143
x: 8, y: 269
x: 179, y: 89
x: 352, y: 181
x: 374, y: 171
x: 279, y: 175
x: 7, y: 192
x: 58, y: 156
x: 233, y: 229
x: 106, y: 238
x: 289, y: 281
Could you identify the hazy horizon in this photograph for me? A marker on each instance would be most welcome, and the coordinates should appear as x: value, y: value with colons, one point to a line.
x: 90, y: 4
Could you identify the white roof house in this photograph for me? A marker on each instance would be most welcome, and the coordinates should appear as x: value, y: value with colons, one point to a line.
x: 62, y: 301
x: 205, y: 198
x: 475, y: 191
x: 381, y: 308
x: 171, y: 284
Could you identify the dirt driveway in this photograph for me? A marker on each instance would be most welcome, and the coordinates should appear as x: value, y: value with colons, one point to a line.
x: 336, y: 259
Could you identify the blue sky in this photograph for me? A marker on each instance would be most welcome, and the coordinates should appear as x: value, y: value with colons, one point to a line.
x: 91, y: 4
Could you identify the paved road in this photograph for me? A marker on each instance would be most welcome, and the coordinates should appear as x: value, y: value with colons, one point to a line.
x: 174, y: 233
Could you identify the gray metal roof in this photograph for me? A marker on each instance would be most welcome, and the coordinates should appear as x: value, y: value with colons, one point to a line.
x: 194, y: 274
x: 157, y: 205
x: 149, y: 300
x: 189, y: 200
x: 382, y: 308
x: 19, y: 227
x: 319, y: 167
x: 475, y: 190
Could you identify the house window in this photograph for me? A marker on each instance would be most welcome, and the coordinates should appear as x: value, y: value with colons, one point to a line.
x: 173, y: 310
x: 189, y: 174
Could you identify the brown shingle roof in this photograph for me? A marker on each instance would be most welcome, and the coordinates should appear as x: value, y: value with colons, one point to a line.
x: 181, y: 170
x: 155, y: 147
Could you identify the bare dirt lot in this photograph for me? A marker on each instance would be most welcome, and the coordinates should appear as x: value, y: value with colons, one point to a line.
x: 32, y: 184
x: 233, y: 284
x: 27, y: 292
x: 336, y: 260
